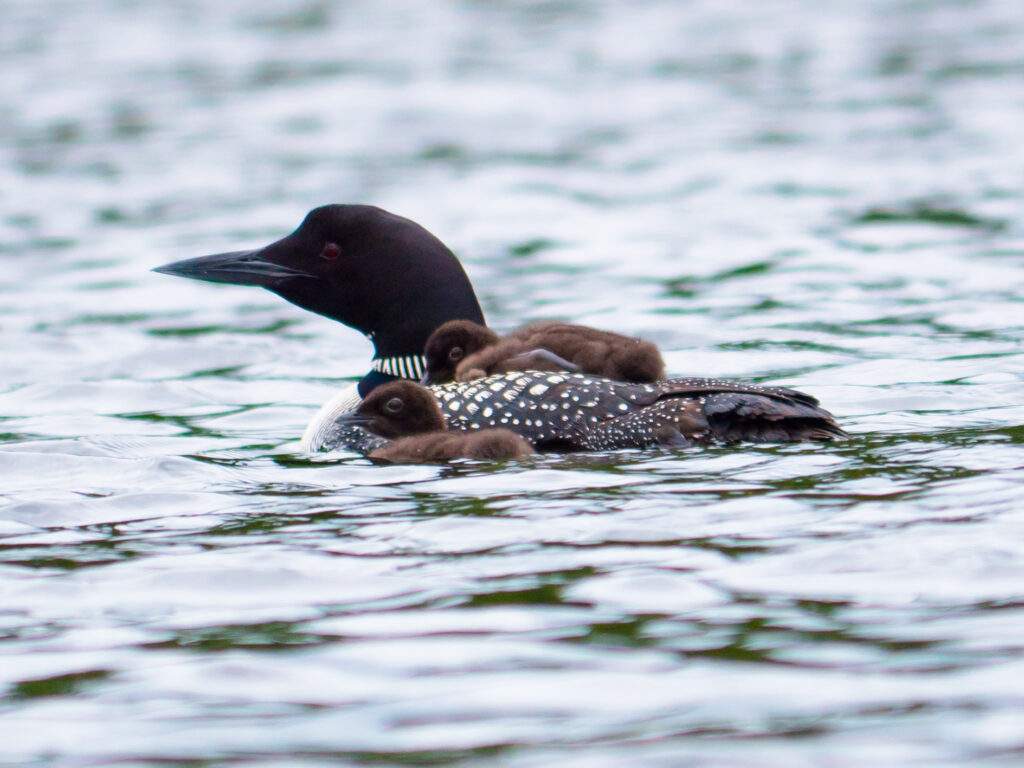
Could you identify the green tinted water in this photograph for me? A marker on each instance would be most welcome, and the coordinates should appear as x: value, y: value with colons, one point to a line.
x: 823, y: 195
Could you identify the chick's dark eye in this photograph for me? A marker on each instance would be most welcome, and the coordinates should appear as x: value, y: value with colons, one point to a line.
x: 330, y: 252
x: 455, y: 354
x: 394, y: 406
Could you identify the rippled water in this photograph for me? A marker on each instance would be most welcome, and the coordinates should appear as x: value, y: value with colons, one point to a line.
x: 826, y: 195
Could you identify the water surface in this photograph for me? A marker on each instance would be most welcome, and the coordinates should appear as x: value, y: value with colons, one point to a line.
x: 825, y: 195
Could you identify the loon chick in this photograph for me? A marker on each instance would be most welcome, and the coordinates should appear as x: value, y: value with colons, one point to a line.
x: 462, y: 350
x: 586, y: 413
x: 408, y: 415
x: 436, y: 447
x: 381, y: 274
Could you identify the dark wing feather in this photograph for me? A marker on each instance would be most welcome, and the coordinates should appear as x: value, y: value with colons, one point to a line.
x: 735, y: 416
x: 581, y: 412
x: 699, y: 387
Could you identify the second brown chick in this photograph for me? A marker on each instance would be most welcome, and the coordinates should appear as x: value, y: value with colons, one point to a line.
x: 461, y: 350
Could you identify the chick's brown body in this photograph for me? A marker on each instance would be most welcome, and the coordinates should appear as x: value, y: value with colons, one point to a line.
x: 487, y: 445
x: 573, y: 348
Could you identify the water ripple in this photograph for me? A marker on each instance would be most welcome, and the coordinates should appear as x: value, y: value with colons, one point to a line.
x: 826, y: 197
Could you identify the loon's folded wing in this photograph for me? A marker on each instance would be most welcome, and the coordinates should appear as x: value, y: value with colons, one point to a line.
x: 735, y: 416
x: 698, y: 386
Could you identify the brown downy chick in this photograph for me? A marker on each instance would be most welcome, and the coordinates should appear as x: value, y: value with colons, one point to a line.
x: 430, y: 447
x: 408, y: 415
x: 461, y: 350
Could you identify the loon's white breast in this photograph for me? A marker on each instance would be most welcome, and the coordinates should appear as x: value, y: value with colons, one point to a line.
x: 321, y: 425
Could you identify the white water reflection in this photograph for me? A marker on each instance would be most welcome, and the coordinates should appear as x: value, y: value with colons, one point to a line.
x: 823, y: 196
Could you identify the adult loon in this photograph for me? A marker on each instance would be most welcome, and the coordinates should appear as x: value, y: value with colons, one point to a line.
x: 461, y: 350
x: 381, y: 274
x: 389, y: 278
x: 579, y: 412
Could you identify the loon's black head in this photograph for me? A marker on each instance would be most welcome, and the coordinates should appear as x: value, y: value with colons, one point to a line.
x: 379, y: 273
x: 397, y: 409
x: 450, y: 344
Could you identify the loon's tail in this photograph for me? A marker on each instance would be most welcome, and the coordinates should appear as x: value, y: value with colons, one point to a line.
x: 736, y: 416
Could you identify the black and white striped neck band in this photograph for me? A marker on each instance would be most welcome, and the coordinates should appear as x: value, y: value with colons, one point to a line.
x: 407, y: 367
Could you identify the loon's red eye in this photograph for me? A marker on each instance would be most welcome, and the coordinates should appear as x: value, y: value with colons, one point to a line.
x: 330, y: 252
x: 455, y: 354
x: 394, y: 406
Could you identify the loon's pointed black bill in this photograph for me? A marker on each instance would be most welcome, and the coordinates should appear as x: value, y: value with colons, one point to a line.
x: 236, y: 268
